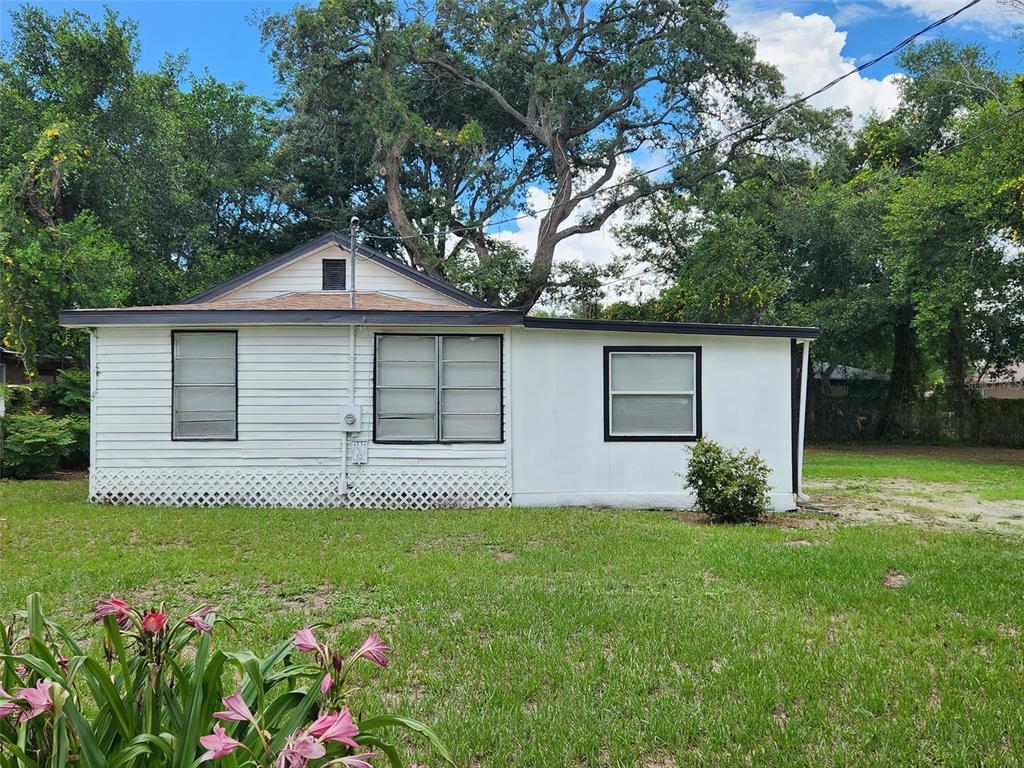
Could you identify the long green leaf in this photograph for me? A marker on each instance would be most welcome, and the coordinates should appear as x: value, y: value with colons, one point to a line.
x: 188, y: 739
x: 92, y: 755
x: 34, y: 615
x: 19, y: 753
x: 385, y: 721
x: 104, y: 692
x: 370, y: 740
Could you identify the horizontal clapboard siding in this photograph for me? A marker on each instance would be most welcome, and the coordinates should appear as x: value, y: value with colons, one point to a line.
x: 292, y: 385
x: 306, y: 274
x: 290, y: 394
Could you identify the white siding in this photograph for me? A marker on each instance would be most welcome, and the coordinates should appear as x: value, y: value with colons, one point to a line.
x: 559, y: 452
x: 293, y: 386
x: 289, y: 400
x: 303, y: 275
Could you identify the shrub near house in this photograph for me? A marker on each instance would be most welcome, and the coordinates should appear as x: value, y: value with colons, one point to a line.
x: 46, y: 427
x: 160, y: 698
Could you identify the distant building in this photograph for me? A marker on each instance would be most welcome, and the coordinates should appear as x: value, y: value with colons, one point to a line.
x: 12, y: 369
x: 1005, y: 385
x: 844, y: 379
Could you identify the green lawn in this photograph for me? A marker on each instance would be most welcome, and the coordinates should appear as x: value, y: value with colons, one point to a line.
x: 591, y: 637
x: 990, y: 475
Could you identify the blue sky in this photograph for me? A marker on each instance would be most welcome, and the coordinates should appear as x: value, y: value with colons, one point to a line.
x: 218, y: 36
x: 811, y: 41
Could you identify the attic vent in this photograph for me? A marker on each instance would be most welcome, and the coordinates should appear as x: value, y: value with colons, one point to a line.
x: 334, y: 274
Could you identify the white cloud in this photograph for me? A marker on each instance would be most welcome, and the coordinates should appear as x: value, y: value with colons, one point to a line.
x: 594, y: 247
x: 808, y: 50
x: 997, y: 15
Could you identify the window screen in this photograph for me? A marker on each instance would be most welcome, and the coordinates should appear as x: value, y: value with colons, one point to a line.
x: 651, y: 393
x: 438, y: 389
x: 205, y: 379
x: 333, y: 274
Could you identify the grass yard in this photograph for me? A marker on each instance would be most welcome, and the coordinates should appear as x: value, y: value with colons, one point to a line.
x: 595, y: 637
x: 938, y: 486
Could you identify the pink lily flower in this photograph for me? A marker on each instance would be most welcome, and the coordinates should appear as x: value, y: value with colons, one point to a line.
x: 335, y: 727
x: 7, y: 705
x: 113, y: 607
x: 360, y: 761
x: 197, y: 619
x: 305, y: 640
x: 237, y: 709
x: 217, y: 744
x: 154, y: 622
x: 37, y: 698
x: 373, y: 649
x: 299, y: 750
x: 325, y: 686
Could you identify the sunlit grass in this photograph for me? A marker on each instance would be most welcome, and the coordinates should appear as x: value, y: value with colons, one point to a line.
x: 556, y: 637
x: 990, y: 480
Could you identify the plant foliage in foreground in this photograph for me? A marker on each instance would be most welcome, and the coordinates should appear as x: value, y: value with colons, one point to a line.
x: 166, y: 697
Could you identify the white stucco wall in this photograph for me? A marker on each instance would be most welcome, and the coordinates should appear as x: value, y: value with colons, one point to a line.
x: 559, y: 454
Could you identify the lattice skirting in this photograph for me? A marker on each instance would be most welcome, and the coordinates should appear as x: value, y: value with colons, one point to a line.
x: 408, y: 488
x: 391, y: 488
x: 217, y: 487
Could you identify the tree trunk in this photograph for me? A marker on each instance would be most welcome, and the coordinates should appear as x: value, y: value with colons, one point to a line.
x: 412, y: 241
x: 902, y: 373
x: 956, y: 372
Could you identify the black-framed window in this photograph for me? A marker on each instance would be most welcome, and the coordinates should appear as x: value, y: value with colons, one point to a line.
x: 204, y: 385
x: 438, y: 388
x: 333, y: 271
x: 652, y: 394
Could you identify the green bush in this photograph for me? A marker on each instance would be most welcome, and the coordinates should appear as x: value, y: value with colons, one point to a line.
x: 72, y: 390
x: 76, y: 455
x: 34, y: 444
x: 731, y: 486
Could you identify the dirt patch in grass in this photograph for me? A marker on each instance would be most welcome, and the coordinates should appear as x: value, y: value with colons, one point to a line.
x: 939, y: 505
x: 894, y: 579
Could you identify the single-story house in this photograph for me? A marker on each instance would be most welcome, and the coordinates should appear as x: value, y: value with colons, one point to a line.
x: 335, y: 375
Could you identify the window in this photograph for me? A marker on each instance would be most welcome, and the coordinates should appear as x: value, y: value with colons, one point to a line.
x: 333, y: 274
x: 652, y: 393
x: 431, y: 389
x: 205, y: 378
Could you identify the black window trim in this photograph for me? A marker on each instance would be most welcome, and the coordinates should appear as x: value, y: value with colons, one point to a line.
x: 698, y: 394
x: 501, y: 392
x: 174, y: 334
x: 323, y: 273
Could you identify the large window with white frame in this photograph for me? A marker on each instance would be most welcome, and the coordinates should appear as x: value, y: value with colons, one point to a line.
x: 204, y: 402
x: 438, y: 389
x: 652, y: 393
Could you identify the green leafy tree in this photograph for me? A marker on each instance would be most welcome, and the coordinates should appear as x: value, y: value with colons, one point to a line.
x: 461, y: 110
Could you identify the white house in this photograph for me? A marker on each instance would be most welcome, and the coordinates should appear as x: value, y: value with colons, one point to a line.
x: 319, y: 380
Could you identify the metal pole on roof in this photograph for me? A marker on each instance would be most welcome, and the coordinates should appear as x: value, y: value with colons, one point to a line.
x: 353, y: 223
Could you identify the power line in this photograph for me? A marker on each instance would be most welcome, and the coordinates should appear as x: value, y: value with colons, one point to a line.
x: 712, y: 144
x: 861, y: 188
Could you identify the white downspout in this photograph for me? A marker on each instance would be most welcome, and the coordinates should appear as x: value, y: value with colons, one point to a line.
x: 803, y: 421
x: 93, y: 389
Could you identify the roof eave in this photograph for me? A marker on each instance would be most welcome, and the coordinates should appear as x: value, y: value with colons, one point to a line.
x: 690, y: 329
x: 89, y: 318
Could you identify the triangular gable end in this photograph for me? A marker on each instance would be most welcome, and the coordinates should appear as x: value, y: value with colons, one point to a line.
x: 334, y: 244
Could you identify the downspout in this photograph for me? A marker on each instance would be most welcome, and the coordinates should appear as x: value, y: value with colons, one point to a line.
x: 803, y: 421
x: 93, y: 389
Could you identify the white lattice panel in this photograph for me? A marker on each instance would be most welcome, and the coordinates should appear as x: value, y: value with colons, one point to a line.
x: 407, y: 488
x: 217, y: 487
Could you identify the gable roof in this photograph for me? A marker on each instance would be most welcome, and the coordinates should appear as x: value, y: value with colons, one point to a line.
x: 343, y: 242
